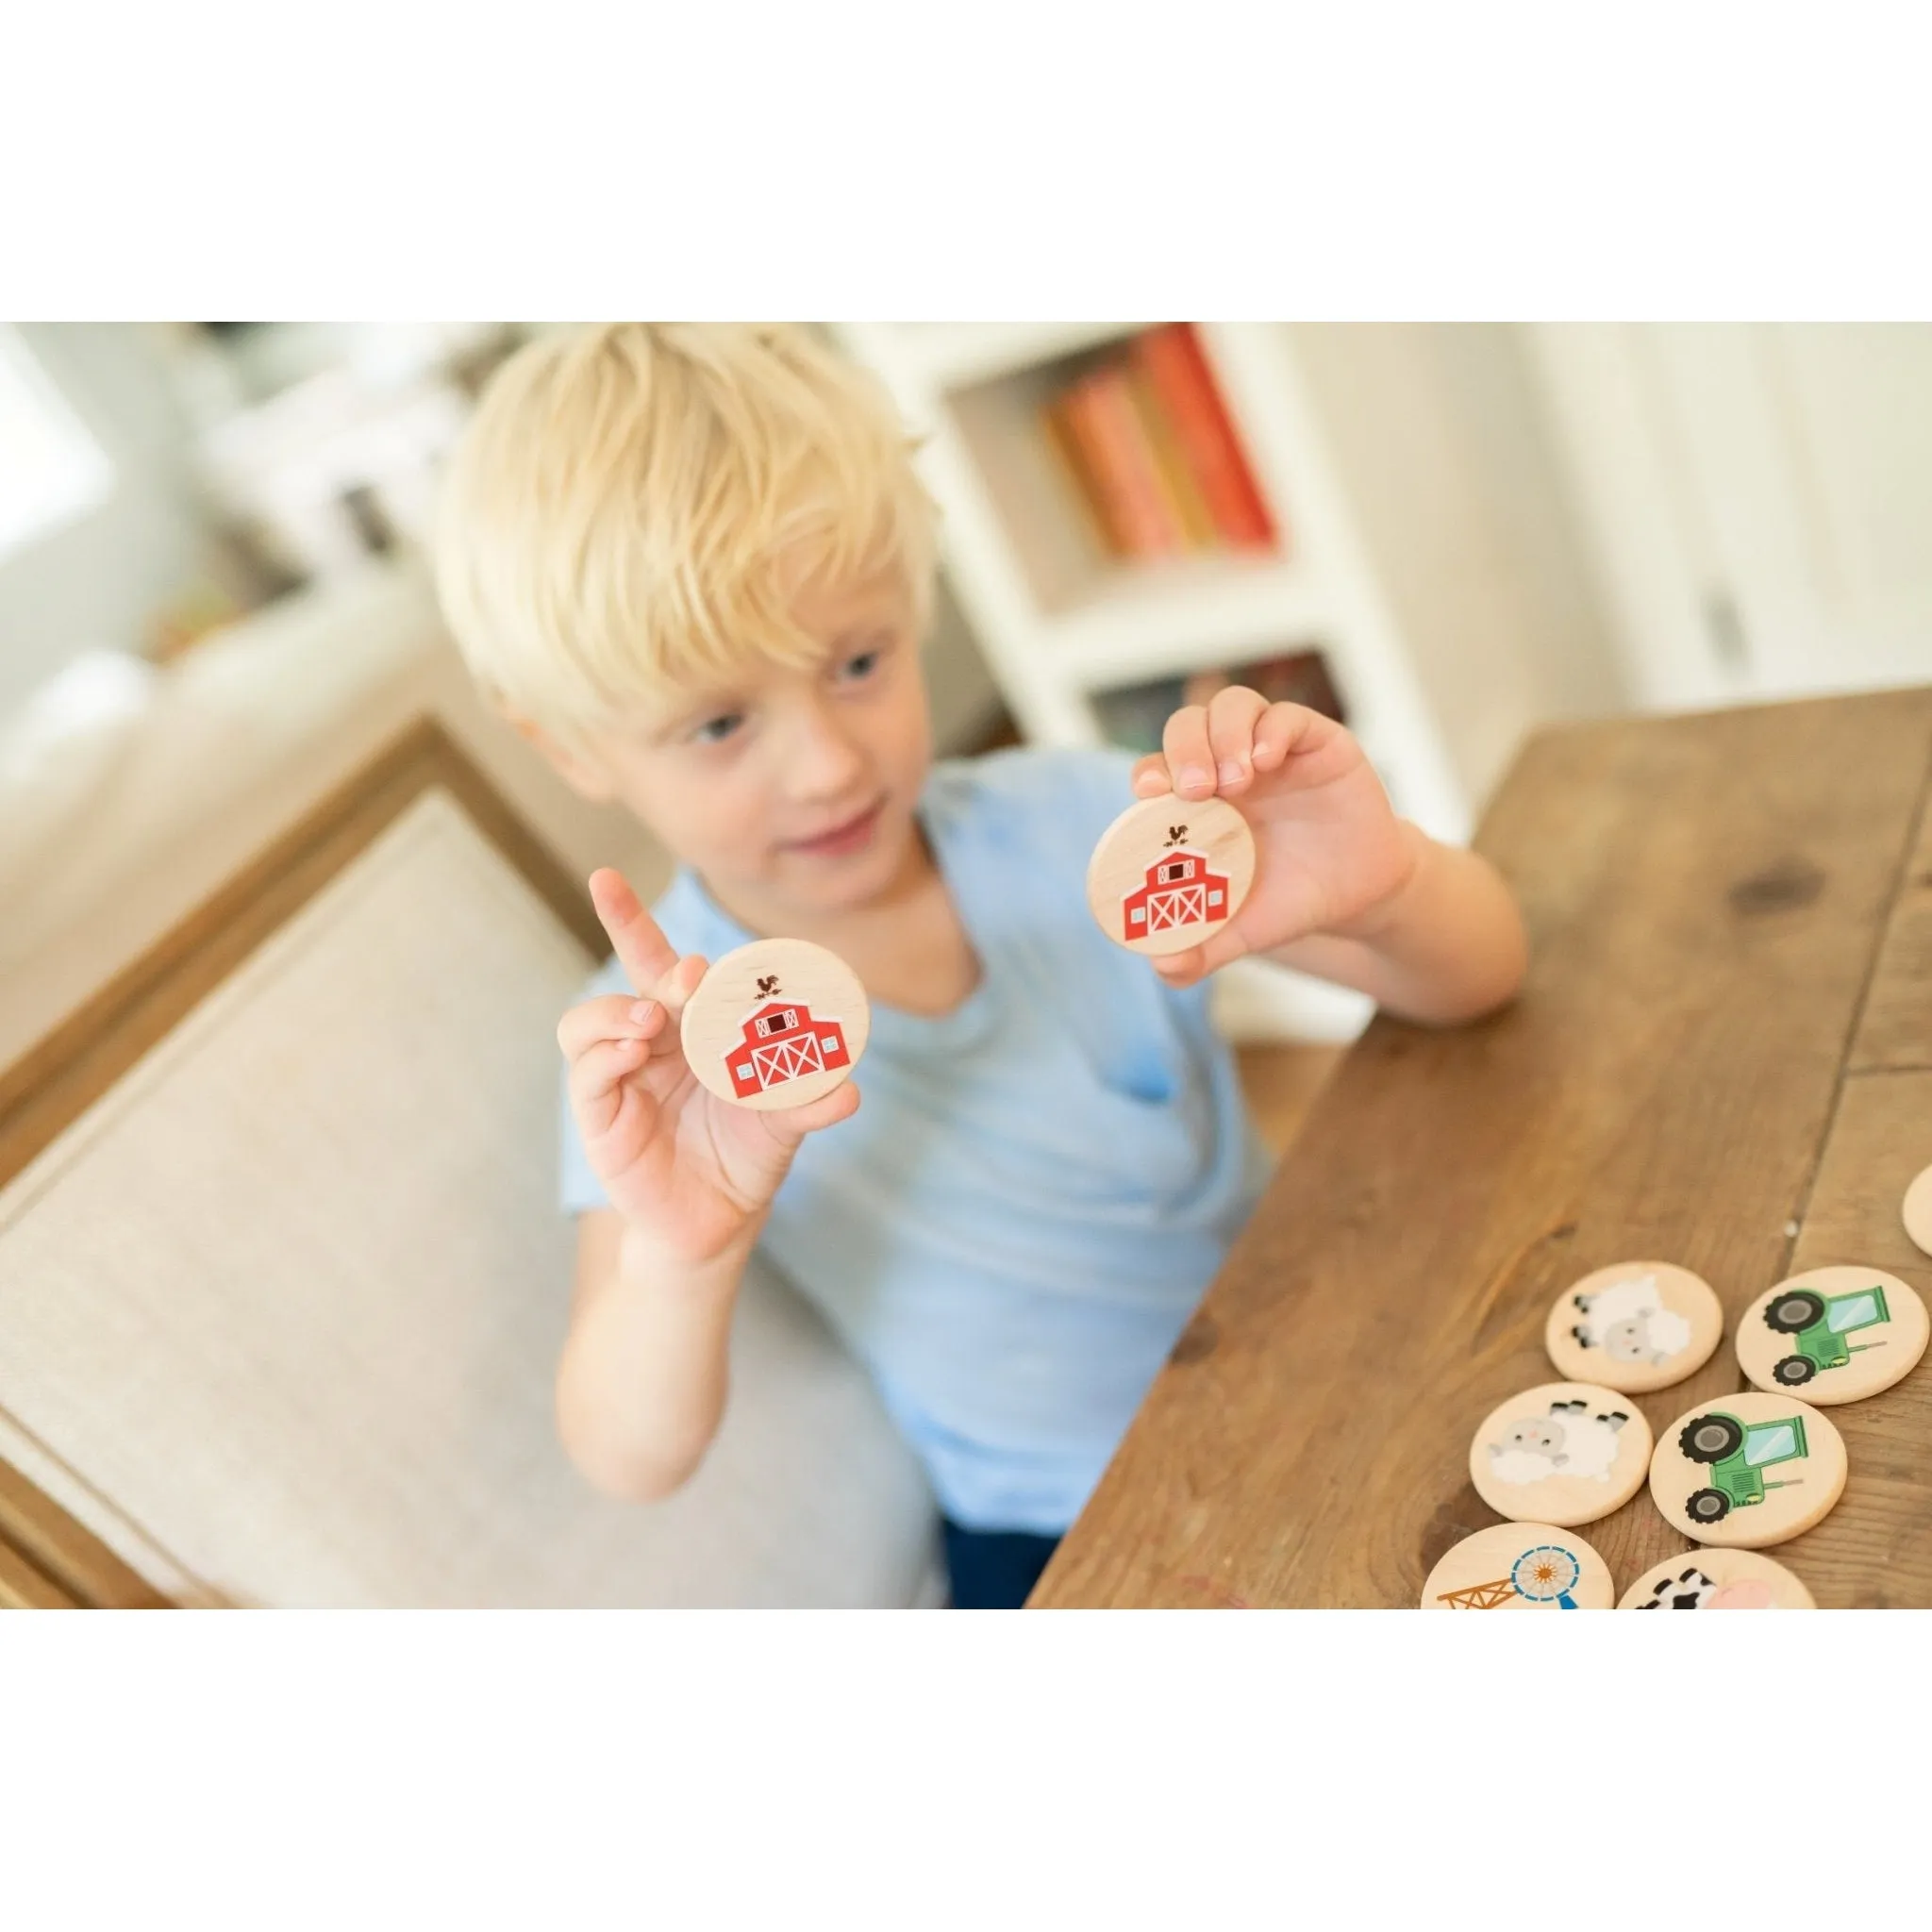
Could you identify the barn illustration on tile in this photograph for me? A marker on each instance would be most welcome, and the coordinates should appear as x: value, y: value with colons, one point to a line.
x: 783, y: 1041
x: 1180, y: 888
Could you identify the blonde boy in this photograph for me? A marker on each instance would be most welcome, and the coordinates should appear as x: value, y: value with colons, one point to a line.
x: 694, y: 565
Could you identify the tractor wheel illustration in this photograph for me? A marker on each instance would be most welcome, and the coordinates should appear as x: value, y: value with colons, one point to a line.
x: 1710, y: 1439
x: 1794, y: 1370
x: 1790, y: 1312
x: 1707, y: 1506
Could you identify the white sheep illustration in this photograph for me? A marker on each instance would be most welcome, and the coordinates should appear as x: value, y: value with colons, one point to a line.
x: 1629, y: 1323
x: 1567, y: 1441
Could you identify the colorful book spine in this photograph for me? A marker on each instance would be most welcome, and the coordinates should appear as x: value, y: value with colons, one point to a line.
x: 1104, y: 405
x: 1176, y: 371
x: 1182, y: 489
x: 1078, y: 466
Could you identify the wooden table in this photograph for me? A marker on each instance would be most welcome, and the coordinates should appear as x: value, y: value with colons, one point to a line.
x: 1723, y: 1058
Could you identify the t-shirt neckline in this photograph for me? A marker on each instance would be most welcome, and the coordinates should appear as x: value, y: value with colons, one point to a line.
x: 893, y: 1025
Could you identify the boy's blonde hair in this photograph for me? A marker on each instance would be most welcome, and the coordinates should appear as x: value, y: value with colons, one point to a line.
x: 634, y: 503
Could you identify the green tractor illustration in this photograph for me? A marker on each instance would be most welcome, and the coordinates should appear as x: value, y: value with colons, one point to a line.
x: 1737, y: 1455
x: 1817, y: 1325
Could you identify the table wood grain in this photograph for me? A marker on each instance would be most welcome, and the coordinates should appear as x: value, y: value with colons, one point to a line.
x: 1722, y: 1056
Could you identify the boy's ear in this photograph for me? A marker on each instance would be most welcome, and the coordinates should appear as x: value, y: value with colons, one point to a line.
x: 583, y: 775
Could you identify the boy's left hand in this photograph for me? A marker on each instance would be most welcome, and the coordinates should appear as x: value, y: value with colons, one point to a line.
x: 1330, y: 852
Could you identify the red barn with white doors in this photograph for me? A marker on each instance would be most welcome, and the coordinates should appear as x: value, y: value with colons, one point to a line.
x: 1180, y: 890
x: 782, y: 1041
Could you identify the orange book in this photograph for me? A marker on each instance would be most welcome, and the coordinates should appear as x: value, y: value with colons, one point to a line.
x: 1075, y: 464
x: 1198, y: 528
x: 1105, y: 406
x: 1117, y: 510
x: 1177, y: 366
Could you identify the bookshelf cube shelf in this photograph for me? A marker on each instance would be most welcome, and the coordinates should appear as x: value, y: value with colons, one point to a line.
x: 1055, y: 551
x: 955, y: 355
x: 1186, y: 614
x: 1074, y: 540
x: 1134, y: 715
x: 1072, y: 629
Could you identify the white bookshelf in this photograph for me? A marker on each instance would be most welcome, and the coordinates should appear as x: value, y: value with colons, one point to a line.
x: 1060, y: 621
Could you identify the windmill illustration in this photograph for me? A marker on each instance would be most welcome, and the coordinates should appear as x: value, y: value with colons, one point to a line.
x: 1479, y: 1596
x: 1545, y: 1575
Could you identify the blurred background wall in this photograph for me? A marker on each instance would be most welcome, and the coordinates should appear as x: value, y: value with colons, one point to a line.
x: 101, y: 575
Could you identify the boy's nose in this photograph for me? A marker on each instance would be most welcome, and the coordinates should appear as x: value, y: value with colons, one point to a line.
x: 823, y: 760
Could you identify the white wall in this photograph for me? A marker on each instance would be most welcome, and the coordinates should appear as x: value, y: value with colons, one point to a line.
x: 1446, y: 455
x: 97, y: 581
x: 965, y: 700
x: 1757, y: 497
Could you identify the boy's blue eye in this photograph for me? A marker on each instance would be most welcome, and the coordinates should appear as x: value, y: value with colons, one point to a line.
x: 716, y: 730
x: 864, y: 663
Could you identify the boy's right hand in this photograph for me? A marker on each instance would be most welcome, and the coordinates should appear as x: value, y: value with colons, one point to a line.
x: 691, y: 1171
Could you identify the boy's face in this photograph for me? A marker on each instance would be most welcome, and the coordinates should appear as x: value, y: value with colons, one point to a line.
x: 790, y: 788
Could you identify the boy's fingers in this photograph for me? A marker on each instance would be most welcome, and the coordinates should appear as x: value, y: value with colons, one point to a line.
x: 644, y: 951
x: 1232, y: 715
x: 673, y: 991
x: 1184, y: 968
x: 792, y: 1123
x: 1190, y: 757
x: 610, y: 1016
x: 620, y: 1018
x: 1205, y: 748
x: 1286, y: 729
x: 596, y: 1078
x: 1180, y: 969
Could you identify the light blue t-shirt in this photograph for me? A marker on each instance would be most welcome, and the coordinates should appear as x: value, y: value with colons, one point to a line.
x: 1014, y: 1228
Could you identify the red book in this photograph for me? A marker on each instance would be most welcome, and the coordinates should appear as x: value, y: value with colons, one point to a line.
x: 1111, y: 427
x: 1128, y: 536
x: 1178, y: 367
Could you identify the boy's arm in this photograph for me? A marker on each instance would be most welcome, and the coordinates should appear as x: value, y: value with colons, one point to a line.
x: 1448, y: 945
x: 1342, y: 888
x: 641, y: 1381
x: 688, y: 1179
